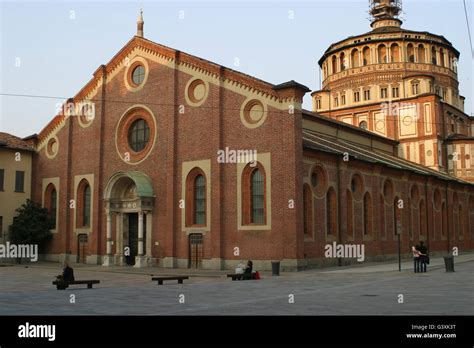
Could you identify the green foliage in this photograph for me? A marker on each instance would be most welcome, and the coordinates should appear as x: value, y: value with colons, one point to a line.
x: 32, y: 225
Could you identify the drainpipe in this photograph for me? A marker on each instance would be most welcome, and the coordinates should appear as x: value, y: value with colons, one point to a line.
x: 68, y: 181
x: 100, y: 210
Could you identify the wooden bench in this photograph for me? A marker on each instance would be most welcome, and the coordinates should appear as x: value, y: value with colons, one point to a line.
x: 161, y: 279
x: 242, y: 276
x: 66, y: 284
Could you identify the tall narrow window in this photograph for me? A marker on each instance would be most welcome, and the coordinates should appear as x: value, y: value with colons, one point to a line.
x: 411, y: 53
x: 342, y: 61
x: 2, y: 178
x: 50, y: 203
x: 367, y: 94
x: 383, y: 93
x: 421, y: 54
x: 86, y: 210
x: 395, y: 53
x: 334, y: 64
x: 356, y: 97
x: 199, y: 200
x: 331, y: 211
x: 382, y: 216
x: 349, y: 214
x: 19, y: 181
x: 441, y: 57
x: 415, y: 88
x: 382, y: 54
x: 307, y: 211
x: 343, y: 98
x: 355, y: 58
x: 395, y: 92
x: 367, y: 214
x: 257, y: 197
x: 366, y: 56
x: 196, y: 198
x: 434, y: 59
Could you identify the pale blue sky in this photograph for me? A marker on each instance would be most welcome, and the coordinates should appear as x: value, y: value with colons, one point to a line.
x: 58, y: 53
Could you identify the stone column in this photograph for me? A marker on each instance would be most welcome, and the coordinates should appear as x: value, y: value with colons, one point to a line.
x: 119, y: 239
x: 108, y: 257
x: 140, y: 234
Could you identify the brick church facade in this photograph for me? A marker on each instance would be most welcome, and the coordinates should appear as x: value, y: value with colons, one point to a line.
x: 131, y: 173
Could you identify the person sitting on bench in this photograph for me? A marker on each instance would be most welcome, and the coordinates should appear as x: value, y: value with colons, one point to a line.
x: 67, y: 276
x: 248, y: 270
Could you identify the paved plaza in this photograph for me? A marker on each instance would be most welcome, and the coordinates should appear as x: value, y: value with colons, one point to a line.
x: 367, y: 290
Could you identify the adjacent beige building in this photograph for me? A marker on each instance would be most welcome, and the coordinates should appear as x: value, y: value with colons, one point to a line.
x: 15, y: 178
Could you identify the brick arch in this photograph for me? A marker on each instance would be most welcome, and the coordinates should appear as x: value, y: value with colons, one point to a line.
x: 382, y: 54
x: 355, y: 57
x: 395, y: 53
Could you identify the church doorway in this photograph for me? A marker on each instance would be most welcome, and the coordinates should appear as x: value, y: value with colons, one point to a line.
x: 195, y: 250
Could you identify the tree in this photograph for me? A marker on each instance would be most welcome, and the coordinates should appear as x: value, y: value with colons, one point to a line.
x: 32, y: 225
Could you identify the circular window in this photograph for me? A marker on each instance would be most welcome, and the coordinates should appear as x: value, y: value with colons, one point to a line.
x: 52, y: 147
x: 135, y: 134
x: 253, y: 114
x: 407, y: 120
x: 138, y: 135
x: 380, y: 125
x: 363, y: 124
x: 468, y: 157
x: 196, y: 92
x: 87, y: 115
x: 138, y: 75
x: 319, y: 181
x: 450, y: 157
x: 429, y: 153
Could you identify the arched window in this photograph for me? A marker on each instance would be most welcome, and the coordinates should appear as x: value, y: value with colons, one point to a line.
x: 363, y: 124
x: 434, y: 59
x: 196, y: 201
x: 331, y: 211
x: 395, y: 53
x: 382, y: 54
x: 366, y: 56
x: 199, y: 200
x: 51, y: 203
x: 254, y: 195
x: 411, y: 53
x: 421, y: 54
x: 342, y: 61
x: 83, y: 204
x: 441, y: 57
x: 367, y: 214
x: 307, y: 211
x: 355, y: 58
x: 334, y: 64
x: 382, y: 216
x: 349, y: 214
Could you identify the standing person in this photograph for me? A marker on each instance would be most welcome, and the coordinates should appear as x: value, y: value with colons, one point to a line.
x: 423, y: 256
x: 416, y: 258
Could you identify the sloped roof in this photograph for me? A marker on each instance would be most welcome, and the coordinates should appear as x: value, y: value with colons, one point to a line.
x: 316, y: 141
x: 13, y: 142
x: 181, y: 58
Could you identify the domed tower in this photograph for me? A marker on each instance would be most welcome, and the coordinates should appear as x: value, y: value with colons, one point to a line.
x: 400, y: 84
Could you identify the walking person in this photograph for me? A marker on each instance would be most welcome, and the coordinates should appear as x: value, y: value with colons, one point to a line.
x: 416, y: 258
x: 423, y: 256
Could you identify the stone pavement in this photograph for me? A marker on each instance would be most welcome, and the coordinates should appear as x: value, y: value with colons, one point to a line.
x: 128, y: 291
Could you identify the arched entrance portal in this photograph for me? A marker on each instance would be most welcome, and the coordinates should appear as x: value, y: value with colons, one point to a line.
x: 129, y: 200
